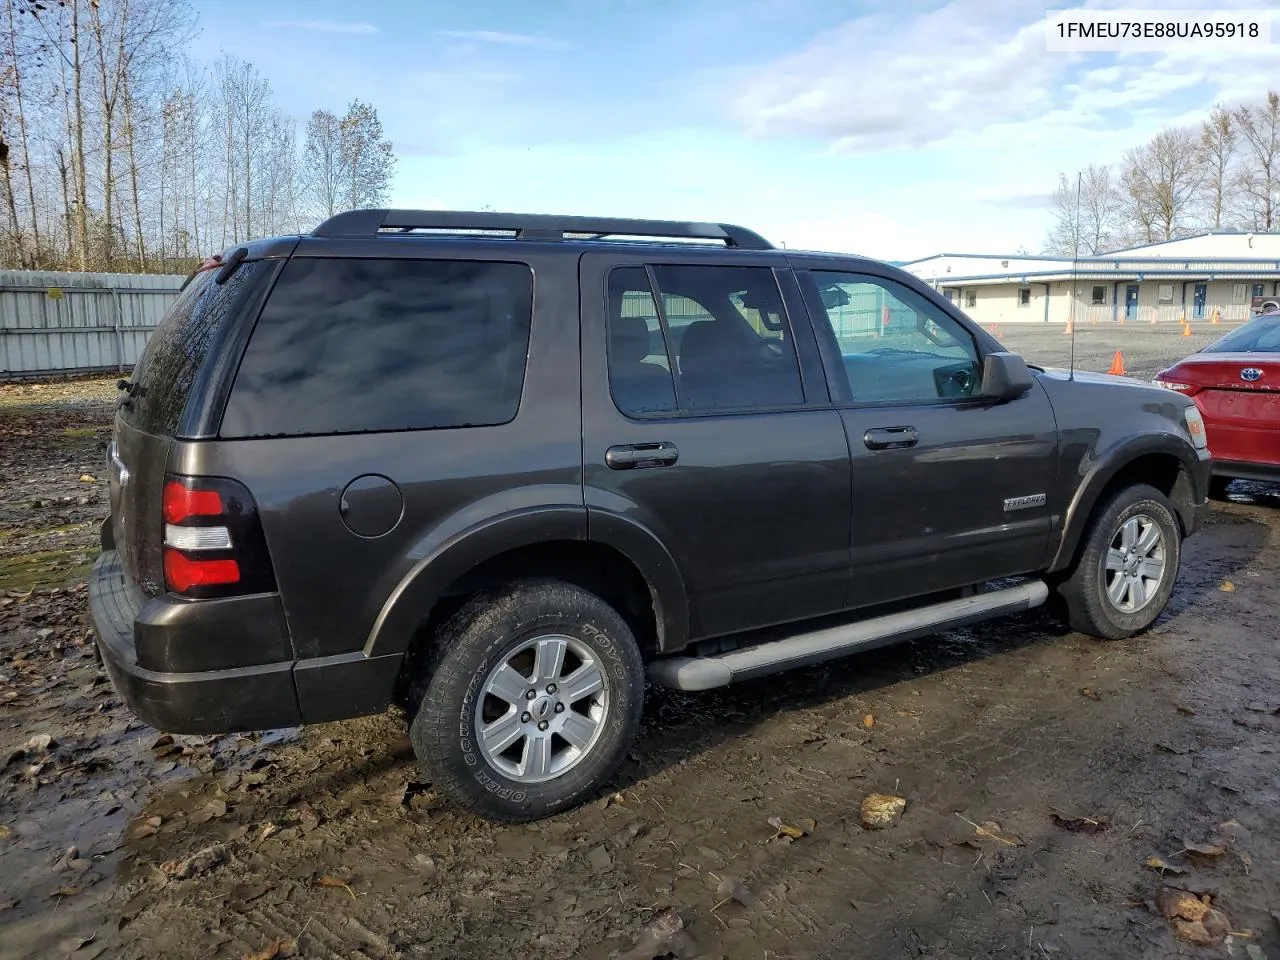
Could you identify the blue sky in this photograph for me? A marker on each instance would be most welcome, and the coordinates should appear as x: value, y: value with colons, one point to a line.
x: 893, y: 129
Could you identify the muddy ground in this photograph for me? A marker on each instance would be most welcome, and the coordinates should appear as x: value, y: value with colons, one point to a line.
x: 1041, y: 771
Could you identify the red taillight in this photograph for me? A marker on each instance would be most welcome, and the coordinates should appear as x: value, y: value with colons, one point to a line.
x: 181, y: 573
x: 180, y: 502
x: 213, y: 541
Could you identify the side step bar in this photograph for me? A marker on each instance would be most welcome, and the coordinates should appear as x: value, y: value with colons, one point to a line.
x: 720, y: 670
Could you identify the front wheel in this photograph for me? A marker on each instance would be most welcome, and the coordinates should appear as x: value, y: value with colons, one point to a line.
x: 534, y: 696
x: 1127, y: 567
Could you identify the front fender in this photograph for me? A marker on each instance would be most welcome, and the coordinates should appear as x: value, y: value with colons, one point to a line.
x: 1099, y: 469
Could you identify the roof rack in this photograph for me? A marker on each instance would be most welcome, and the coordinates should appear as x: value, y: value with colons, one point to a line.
x: 530, y: 226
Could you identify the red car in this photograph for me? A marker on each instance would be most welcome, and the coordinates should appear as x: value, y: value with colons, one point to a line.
x: 1235, y: 382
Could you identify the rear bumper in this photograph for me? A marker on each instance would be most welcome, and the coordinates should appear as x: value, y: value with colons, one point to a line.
x: 260, y: 697
x: 170, y: 635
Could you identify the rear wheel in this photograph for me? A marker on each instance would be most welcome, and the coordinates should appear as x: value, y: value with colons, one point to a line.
x: 533, y: 697
x: 1127, y: 567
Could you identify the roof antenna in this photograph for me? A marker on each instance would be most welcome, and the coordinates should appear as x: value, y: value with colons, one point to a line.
x: 1073, y: 291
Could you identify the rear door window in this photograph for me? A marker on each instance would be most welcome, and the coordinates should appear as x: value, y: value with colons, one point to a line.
x: 367, y: 345
x: 167, y: 369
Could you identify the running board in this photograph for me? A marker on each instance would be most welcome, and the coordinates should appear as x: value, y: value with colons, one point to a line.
x: 720, y: 670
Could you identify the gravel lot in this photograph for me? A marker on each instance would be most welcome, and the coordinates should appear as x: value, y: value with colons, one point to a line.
x: 1042, y: 771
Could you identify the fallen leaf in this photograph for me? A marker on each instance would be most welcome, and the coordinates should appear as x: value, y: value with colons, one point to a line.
x: 784, y: 830
x: 731, y: 888
x: 330, y: 881
x: 880, y: 810
x: 1157, y: 863
x: 1208, y: 931
x: 69, y: 891
x: 72, y: 944
x: 990, y: 830
x: 199, y: 862
x: 1226, y: 586
x: 1176, y: 904
x: 211, y: 811
x: 5, y: 832
x: 1185, y: 710
x: 869, y: 720
x: 599, y: 859
x: 268, y: 830
x: 285, y: 947
x: 87, y: 478
x: 38, y: 744
x: 1082, y: 824
x: 1089, y: 692
x: 610, y: 800
x: 1208, y: 850
x: 664, y: 936
x: 147, y: 828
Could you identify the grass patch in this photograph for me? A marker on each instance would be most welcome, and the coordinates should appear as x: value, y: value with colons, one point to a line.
x: 43, y: 568
x: 85, y: 432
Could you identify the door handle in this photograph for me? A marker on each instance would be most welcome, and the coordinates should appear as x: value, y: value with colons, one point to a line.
x: 637, y: 456
x: 890, y: 438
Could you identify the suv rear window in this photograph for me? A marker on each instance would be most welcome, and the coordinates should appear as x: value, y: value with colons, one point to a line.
x: 361, y: 345
x: 168, y: 366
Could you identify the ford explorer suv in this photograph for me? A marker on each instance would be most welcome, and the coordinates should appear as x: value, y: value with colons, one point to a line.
x: 503, y: 470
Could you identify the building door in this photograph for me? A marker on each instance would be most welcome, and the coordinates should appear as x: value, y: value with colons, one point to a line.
x: 1197, y: 302
x: 1131, y: 302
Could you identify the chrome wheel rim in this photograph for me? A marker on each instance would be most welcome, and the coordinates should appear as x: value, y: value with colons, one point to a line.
x: 542, y: 709
x: 1135, y: 564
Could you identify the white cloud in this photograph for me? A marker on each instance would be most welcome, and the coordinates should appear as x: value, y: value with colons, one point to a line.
x: 504, y: 39
x: 322, y: 26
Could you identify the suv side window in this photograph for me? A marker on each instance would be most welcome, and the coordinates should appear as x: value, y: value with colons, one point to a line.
x: 363, y: 345
x: 723, y: 330
x: 891, y: 344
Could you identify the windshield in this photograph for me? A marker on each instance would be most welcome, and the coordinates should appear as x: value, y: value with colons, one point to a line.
x: 1261, y: 335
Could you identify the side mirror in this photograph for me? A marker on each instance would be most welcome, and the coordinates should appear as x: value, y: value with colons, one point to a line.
x: 1005, y: 376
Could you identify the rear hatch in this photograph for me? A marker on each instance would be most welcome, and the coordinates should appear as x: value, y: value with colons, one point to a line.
x: 153, y: 410
x: 1239, y: 394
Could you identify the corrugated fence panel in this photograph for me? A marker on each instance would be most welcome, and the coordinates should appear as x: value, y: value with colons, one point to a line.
x: 73, y: 322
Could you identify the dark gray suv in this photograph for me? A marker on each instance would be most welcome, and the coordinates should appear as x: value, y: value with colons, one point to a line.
x: 499, y: 468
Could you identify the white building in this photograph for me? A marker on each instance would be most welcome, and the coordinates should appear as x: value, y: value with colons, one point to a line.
x: 1232, y: 275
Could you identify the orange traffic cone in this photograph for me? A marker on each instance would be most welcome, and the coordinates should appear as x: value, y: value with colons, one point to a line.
x: 1186, y: 329
x: 1217, y: 315
x: 1117, y: 365
x: 1067, y: 332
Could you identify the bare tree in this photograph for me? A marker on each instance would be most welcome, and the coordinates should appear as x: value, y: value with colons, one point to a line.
x: 1162, y: 180
x: 117, y: 152
x: 367, y: 157
x: 1086, y: 210
x: 1260, y: 171
x: 1218, y: 139
x: 323, y: 181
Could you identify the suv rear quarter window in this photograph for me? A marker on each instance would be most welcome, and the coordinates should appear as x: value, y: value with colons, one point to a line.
x: 167, y: 369
x: 369, y: 345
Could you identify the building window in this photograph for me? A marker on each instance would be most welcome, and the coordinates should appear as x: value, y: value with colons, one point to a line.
x: 1024, y: 296
x: 1240, y: 292
x: 1099, y: 295
x: 1166, y: 293
x: 1257, y: 290
x: 971, y: 298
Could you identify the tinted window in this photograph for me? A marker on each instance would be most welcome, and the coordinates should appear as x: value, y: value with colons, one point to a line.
x: 1257, y: 336
x: 893, y: 345
x: 346, y: 346
x: 639, y: 377
x: 168, y: 366
x: 730, y: 338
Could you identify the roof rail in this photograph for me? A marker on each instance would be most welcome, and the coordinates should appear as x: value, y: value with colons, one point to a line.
x: 531, y: 226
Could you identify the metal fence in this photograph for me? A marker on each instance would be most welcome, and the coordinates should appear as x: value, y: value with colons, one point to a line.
x: 52, y: 323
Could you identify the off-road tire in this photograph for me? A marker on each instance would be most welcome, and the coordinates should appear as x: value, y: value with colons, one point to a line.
x: 1083, y: 592
x: 472, y: 643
